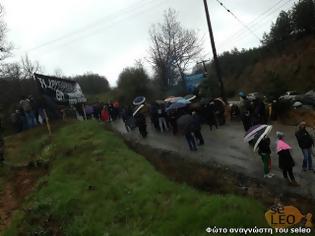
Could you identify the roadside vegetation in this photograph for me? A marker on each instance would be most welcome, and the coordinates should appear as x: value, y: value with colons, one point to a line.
x: 96, y: 185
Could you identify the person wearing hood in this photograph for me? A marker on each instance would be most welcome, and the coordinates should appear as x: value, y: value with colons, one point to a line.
x: 286, y: 162
x: 305, y: 142
x: 245, y: 111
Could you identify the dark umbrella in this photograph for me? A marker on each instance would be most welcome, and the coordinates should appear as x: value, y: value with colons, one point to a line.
x: 138, y: 100
x: 185, y: 123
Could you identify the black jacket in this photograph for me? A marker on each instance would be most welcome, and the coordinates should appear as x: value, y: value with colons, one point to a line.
x: 285, y: 160
x: 304, y: 139
x: 264, y: 146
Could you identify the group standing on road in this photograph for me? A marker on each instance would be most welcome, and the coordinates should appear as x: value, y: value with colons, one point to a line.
x: 254, y: 119
x: 187, y: 121
x: 178, y: 115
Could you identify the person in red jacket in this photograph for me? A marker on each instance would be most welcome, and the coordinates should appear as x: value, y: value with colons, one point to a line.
x: 105, y: 114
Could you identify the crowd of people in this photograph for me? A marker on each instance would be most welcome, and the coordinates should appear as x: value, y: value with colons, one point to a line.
x: 29, y: 113
x: 254, y: 113
x: 100, y: 111
x: 187, y: 121
x: 184, y: 120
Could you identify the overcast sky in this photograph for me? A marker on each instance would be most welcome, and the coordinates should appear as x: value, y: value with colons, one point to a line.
x: 106, y: 36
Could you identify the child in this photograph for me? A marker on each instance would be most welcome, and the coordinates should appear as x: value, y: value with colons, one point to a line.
x: 286, y: 161
x: 264, y: 151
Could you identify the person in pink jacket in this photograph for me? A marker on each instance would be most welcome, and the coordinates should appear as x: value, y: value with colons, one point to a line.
x: 286, y: 162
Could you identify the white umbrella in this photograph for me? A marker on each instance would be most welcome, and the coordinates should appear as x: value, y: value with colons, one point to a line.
x: 250, y: 134
x: 261, y: 136
x: 138, y: 109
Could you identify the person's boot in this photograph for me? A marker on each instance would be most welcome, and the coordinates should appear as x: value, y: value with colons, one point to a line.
x: 288, y: 182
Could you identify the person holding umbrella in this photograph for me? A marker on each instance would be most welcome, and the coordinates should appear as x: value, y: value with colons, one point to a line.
x: 305, y: 142
x: 286, y: 162
x: 258, y: 136
x: 140, y: 121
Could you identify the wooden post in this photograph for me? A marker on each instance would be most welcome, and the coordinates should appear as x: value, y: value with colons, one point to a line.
x: 83, y: 108
x: 47, y: 122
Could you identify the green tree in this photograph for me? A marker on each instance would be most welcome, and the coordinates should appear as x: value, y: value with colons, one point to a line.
x: 92, y: 83
x: 281, y: 29
x: 303, y: 16
x: 132, y: 82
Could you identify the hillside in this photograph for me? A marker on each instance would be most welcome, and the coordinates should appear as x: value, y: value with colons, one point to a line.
x: 291, y: 67
x: 96, y: 185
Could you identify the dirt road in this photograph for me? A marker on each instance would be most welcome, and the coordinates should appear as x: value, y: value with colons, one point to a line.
x: 225, y: 147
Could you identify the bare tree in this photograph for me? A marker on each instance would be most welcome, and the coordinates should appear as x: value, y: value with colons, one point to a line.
x: 11, y: 71
x: 5, y: 46
x: 29, y: 67
x: 173, y: 48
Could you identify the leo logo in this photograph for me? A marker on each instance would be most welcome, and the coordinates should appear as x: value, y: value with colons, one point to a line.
x: 286, y: 216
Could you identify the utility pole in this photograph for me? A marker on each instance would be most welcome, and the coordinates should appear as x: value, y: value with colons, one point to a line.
x: 215, y: 58
x: 204, y: 65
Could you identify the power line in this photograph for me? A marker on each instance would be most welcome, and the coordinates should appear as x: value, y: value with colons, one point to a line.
x: 255, y: 26
x: 241, y: 22
x: 252, y: 22
x: 93, y: 25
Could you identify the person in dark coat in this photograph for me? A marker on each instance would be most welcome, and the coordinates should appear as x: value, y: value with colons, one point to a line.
x: 219, y: 109
x: 197, y: 128
x: 208, y: 111
x: 245, y: 111
x: 259, y: 112
x: 264, y: 151
x: 286, y: 162
x: 172, y: 117
x: 127, y: 118
x: 305, y: 142
x: 185, y: 126
x: 154, y: 115
x: 141, y: 123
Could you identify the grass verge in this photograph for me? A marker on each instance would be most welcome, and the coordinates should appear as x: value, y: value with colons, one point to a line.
x: 98, y: 186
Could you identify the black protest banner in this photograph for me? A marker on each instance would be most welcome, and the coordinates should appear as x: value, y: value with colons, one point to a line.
x: 62, y: 91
